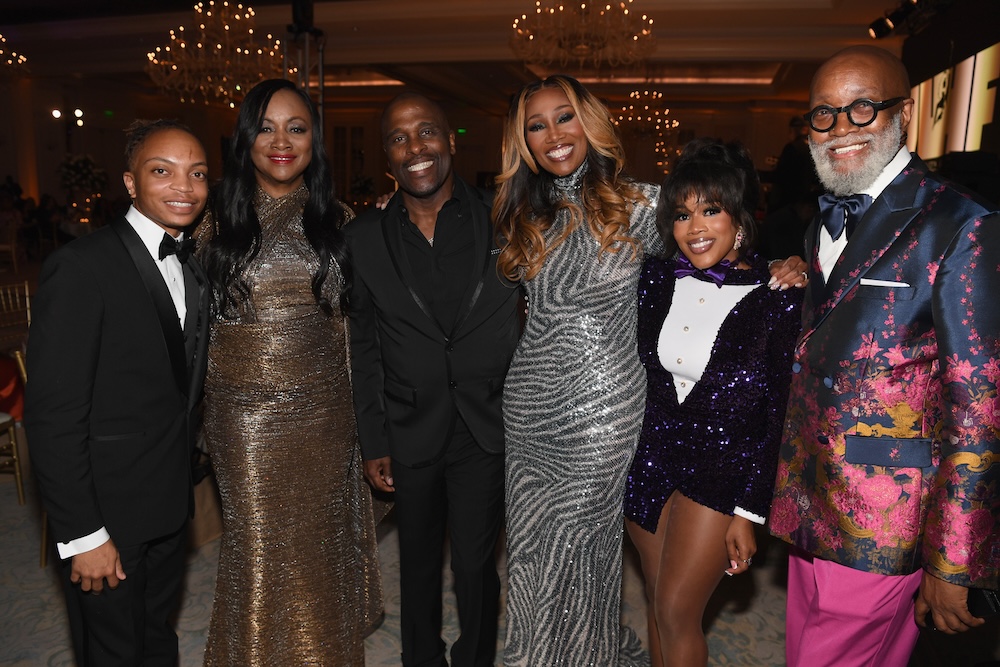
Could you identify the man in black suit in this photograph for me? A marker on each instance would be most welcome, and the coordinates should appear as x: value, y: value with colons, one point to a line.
x: 116, y: 360
x: 433, y: 329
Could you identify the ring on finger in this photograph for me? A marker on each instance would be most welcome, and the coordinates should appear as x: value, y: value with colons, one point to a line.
x: 748, y: 561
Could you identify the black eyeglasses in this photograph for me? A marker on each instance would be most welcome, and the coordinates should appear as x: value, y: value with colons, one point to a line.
x: 860, y: 112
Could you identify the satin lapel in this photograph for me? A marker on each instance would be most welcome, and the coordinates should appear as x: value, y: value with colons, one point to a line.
x: 193, y: 303
x: 198, y: 327
x: 884, y: 222
x: 393, y: 236
x: 164, y: 305
x: 816, y: 294
x: 482, y: 252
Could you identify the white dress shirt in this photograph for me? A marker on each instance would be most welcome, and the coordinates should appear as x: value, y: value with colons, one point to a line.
x: 831, y: 250
x: 170, y: 267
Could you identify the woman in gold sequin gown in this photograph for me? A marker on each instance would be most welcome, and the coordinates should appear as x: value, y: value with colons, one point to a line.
x: 298, y: 576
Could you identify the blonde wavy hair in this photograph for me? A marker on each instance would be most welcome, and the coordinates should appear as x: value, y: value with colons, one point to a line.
x: 527, y: 200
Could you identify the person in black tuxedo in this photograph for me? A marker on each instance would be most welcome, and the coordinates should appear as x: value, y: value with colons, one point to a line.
x: 116, y: 360
x: 433, y: 329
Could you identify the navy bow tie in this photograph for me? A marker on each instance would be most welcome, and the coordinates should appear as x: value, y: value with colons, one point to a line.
x: 716, y: 274
x: 838, y: 213
x: 170, y: 246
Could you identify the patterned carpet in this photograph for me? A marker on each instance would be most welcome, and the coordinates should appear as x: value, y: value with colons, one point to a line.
x: 745, y: 623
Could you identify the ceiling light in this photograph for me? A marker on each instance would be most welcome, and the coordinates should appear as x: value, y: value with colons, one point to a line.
x: 885, y: 25
x: 219, y: 59
x: 583, y: 32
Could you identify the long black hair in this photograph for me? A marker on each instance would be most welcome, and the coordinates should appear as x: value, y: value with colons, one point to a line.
x: 237, y: 236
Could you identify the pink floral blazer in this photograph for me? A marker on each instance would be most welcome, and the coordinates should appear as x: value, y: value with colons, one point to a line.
x: 890, y: 459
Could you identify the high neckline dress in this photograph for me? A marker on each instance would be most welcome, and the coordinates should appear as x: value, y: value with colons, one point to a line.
x: 298, y: 576
x: 573, y: 404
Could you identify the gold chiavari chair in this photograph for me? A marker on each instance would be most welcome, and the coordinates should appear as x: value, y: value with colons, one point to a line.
x: 10, y: 459
x: 15, y: 315
x: 43, y: 557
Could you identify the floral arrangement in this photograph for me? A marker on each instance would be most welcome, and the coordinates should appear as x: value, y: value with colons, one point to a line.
x: 81, y: 173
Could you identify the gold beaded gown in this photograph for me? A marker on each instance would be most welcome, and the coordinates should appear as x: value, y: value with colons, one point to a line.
x: 298, y: 579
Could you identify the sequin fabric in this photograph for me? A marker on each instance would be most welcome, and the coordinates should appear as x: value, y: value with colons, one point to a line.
x: 298, y: 576
x: 720, y: 446
x: 572, y: 409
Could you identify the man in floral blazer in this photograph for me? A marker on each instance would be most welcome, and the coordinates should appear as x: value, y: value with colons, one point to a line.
x: 888, y: 484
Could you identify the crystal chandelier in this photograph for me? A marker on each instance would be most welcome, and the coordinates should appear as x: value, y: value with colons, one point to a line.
x: 646, y: 116
x: 600, y: 33
x: 646, y: 108
x: 11, y: 62
x: 218, y: 59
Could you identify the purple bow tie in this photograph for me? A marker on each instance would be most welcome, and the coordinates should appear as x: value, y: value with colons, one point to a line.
x: 715, y: 274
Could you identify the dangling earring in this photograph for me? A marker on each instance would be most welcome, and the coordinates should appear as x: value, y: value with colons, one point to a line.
x: 740, y: 237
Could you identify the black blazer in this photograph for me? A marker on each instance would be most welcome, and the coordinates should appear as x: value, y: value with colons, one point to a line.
x: 410, y: 374
x: 113, y: 384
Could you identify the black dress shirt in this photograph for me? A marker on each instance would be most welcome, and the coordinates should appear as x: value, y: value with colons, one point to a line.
x: 442, y: 269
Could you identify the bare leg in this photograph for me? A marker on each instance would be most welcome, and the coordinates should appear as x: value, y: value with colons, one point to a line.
x: 682, y: 563
x: 691, y: 566
x: 650, y: 547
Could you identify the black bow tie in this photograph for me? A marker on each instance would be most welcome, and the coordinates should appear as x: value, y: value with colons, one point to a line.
x: 838, y: 213
x: 170, y: 246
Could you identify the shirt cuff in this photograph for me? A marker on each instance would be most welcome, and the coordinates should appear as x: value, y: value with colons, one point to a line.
x: 749, y: 516
x: 83, y: 544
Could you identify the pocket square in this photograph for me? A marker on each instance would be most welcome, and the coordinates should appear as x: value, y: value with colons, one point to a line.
x: 883, y: 283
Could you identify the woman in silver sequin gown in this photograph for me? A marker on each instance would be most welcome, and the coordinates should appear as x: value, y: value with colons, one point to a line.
x: 298, y: 576
x: 574, y: 394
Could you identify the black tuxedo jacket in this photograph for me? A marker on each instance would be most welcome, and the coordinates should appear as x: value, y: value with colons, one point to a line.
x: 410, y: 374
x: 113, y: 384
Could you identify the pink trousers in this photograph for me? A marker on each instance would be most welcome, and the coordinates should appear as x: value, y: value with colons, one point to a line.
x: 842, y: 617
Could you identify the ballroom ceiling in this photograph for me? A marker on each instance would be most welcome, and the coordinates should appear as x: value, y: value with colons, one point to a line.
x: 709, y: 53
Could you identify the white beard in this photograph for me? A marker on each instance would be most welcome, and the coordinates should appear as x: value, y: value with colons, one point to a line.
x: 882, y: 148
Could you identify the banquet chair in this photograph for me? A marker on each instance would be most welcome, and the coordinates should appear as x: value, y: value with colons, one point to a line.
x: 11, y: 394
x: 43, y: 557
x: 15, y: 315
x: 10, y: 460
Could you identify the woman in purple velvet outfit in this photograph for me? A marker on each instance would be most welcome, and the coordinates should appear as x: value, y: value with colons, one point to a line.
x: 716, y: 344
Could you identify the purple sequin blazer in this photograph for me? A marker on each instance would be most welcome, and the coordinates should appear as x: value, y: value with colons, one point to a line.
x: 719, y: 447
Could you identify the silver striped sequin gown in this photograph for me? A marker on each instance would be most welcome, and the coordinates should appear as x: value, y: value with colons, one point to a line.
x: 573, y: 403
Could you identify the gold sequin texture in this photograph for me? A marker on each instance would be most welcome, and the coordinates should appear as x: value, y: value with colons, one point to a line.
x: 298, y: 576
